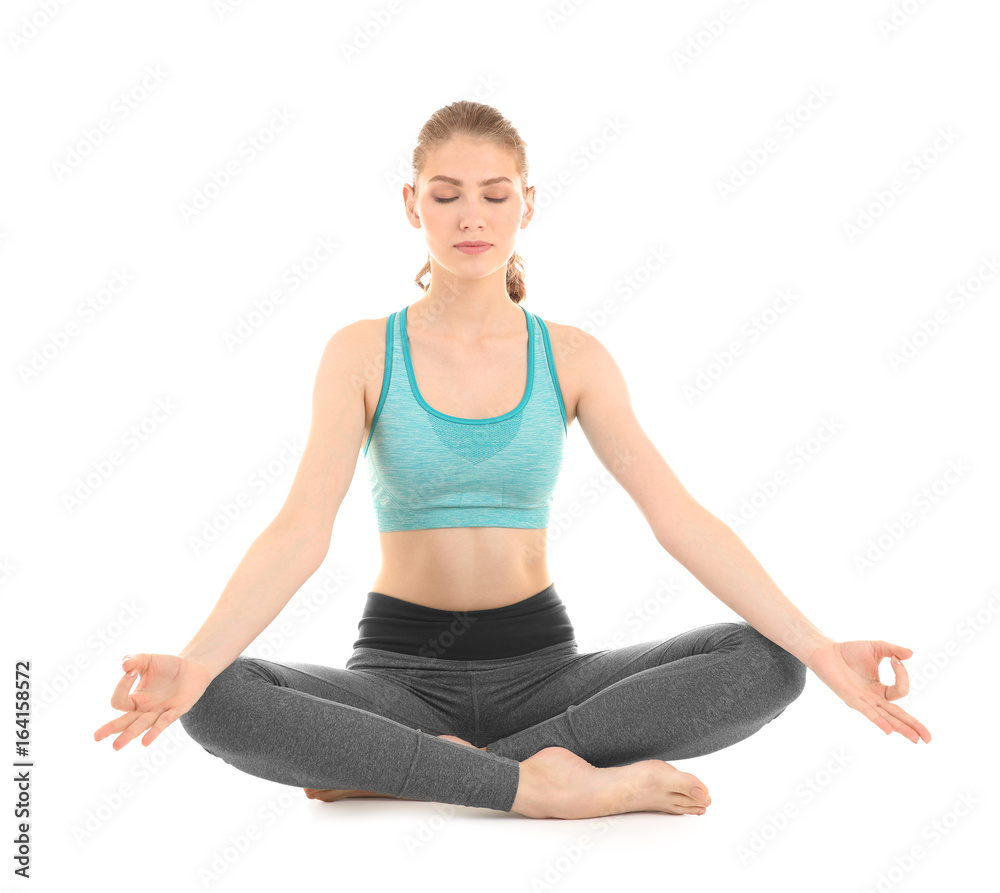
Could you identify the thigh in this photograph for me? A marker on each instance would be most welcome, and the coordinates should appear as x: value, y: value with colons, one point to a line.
x: 376, y: 692
x: 519, y: 695
x: 689, y: 651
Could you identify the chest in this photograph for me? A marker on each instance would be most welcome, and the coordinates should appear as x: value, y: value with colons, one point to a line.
x: 474, y: 383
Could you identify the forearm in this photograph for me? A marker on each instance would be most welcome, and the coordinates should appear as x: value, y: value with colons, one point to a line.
x: 273, y: 569
x: 718, y: 558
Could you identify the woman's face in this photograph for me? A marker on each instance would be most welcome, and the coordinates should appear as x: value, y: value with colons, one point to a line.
x: 465, y: 211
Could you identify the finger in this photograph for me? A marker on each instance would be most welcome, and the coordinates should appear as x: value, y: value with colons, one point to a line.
x: 167, y: 717
x: 917, y: 727
x: 902, y: 684
x: 120, y: 698
x: 139, y: 725
x: 879, y: 714
x: 114, y: 726
x: 869, y: 711
x: 888, y: 649
x: 897, y: 725
x: 890, y: 718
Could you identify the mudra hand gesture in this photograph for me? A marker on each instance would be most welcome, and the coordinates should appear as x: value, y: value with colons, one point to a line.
x: 850, y: 669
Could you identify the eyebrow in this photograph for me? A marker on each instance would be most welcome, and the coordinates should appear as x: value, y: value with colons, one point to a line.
x: 455, y: 182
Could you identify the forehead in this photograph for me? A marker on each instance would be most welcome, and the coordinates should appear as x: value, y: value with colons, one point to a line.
x: 462, y: 160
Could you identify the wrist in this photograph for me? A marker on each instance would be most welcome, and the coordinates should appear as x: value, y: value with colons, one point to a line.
x: 211, y: 667
x: 804, y: 641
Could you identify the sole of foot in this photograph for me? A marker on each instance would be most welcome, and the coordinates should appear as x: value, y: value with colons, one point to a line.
x: 332, y: 794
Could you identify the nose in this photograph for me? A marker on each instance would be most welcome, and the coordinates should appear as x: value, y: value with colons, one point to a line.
x: 471, y: 216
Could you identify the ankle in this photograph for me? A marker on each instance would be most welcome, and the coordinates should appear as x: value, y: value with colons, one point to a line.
x: 537, y: 785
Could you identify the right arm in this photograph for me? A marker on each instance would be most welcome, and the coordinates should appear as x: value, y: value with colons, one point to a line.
x: 278, y: 562
x: 294, y: 545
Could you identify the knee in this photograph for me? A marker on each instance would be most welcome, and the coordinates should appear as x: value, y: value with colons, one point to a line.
x: 781, y: 670
x: 213, y: 709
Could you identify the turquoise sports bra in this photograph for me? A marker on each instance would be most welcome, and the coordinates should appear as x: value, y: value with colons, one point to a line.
x: 429, y: 469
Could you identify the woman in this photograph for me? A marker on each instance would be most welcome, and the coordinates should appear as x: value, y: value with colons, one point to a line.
x: 466, y: 685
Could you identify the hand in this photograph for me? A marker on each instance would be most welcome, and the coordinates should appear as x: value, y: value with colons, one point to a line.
x: 850, y: 669
x: 168, y: 687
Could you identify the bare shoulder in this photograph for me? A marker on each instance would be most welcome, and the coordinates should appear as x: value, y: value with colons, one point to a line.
x: 579, y: 358
x: 363, y: 341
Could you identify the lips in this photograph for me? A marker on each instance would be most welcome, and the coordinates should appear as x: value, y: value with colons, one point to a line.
x: 472, y: 244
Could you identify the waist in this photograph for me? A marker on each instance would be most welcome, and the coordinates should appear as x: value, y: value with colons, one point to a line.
x: 392, y: 624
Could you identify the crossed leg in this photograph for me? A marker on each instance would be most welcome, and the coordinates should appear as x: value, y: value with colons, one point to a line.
x: 694, y: 694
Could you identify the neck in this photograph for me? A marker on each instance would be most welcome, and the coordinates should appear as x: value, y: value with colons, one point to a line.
x: 467, y: 309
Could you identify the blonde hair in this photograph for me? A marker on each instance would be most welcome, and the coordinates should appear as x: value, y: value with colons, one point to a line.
x: 478, y: 121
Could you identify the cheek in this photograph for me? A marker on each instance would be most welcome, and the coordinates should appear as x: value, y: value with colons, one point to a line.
x: 434, y: 215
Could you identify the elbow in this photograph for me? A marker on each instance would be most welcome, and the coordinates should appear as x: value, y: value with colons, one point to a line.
x: 678, y: 525
x: 305, y: 539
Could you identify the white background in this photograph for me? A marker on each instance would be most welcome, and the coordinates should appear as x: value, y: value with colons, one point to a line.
x: 83, y: 585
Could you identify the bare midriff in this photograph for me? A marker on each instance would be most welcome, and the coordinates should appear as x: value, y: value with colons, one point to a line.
x: 463, y: 568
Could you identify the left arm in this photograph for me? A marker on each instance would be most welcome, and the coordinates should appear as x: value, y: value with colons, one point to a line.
x: 717, y: 557
x: 699, y: 540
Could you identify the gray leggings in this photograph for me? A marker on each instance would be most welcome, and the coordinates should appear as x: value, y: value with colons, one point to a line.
x: 372, y: 726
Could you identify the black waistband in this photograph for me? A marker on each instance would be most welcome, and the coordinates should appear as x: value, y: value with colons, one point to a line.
x: 392, y: 624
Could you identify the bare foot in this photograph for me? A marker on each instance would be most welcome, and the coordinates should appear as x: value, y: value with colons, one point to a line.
x: 556, y: 783
x: 332, y: 794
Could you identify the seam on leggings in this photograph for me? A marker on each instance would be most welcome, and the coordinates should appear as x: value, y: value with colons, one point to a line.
x: 413, y: 762
x: 474, y: 691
